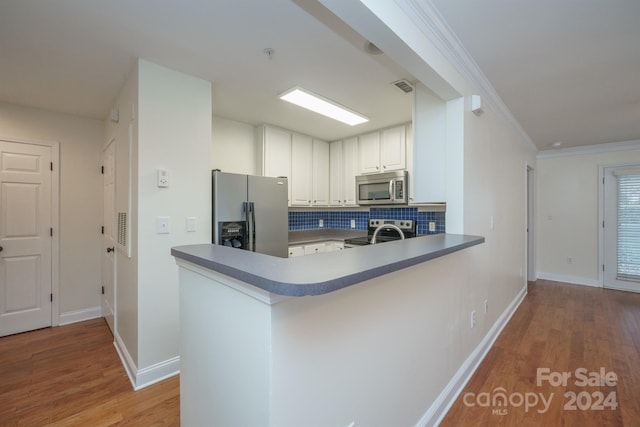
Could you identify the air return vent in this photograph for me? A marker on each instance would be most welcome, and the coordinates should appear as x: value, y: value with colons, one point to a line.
x: 403, y: 85
x: 122, y: 229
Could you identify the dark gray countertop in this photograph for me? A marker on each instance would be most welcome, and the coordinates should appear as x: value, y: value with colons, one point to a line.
x: 324, y: 272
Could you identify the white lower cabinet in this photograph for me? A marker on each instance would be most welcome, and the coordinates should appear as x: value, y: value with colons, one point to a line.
x: 315, y: 248
x: 296, y: 251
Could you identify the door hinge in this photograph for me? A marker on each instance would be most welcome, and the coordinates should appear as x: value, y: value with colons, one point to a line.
x: 102, y: 170
x: 602, y: 267
x: 102, y: 229
x: 51, y: 166
x: 602, y: 224
x: 103, y: 290
x: 51, y: 232
x: 51, y: 297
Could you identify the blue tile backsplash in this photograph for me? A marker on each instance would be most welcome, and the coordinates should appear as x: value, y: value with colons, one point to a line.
x: 309, y: 220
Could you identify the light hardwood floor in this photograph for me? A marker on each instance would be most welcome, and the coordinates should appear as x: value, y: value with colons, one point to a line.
x: 563, y: 328
x: 72, y: 376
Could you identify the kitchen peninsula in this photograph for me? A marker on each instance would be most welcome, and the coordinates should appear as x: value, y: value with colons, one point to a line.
x: 328, y: 339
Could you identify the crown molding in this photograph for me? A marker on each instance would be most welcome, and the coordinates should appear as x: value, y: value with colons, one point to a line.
x: 590, y: 149
x: 429, y: 20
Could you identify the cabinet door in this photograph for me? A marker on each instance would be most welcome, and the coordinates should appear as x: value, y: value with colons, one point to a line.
x: 295, y: 251
x: 393, y: 149
x: 320, y: 171
x: 369, y: 152
x: 277, y: 152
x: 336, y: 170
x: 301, y: 170
x: 314, y: 248
x: 349, y: 170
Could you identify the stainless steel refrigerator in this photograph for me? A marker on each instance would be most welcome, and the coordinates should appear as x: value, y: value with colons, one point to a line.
x: 250, y: 212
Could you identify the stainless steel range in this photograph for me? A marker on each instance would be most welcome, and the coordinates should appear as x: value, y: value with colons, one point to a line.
x: 384, y: 230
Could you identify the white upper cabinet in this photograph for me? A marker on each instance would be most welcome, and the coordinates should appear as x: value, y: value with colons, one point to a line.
x: 301, y: 170
x: 393, y: 149
x: 336, y: 183
x: 277, y: 152
x: 383, y: 151
x: 369, y: 152
x: 309, y: 171
x: 274, y: 153
x: 320, y: 170
x: 349, y: 170
x: 342, y: 172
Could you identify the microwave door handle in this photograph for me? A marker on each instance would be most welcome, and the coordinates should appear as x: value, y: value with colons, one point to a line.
x: 391, y: 192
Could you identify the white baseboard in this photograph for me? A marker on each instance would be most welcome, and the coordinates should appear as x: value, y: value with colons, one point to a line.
x: 570, y: 279
x: 448, y: 396
x: 79, y: 315
x: 141, y: 378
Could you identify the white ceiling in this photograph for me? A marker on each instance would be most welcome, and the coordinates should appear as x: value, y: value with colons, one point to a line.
x: 567, y: 70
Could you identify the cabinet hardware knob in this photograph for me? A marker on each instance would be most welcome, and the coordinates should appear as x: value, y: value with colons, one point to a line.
x: 1, y: 248
x: 111, y: 249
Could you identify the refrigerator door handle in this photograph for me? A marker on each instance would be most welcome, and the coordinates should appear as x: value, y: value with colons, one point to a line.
x: 247, y: 218
x: 253, y: 227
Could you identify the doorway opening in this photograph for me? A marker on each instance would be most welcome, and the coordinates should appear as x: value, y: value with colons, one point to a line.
x: 620, y: 227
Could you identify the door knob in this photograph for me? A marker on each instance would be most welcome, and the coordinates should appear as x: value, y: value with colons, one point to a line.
x: 110, y: 249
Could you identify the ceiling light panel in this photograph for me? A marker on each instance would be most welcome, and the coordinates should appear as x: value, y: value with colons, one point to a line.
x: 316, y: 103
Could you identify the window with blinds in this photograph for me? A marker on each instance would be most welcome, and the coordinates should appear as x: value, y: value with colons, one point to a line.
x: 628, y: 225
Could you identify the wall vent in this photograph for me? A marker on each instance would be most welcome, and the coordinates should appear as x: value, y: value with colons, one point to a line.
x: 403, y: 85
x: 122, y: 229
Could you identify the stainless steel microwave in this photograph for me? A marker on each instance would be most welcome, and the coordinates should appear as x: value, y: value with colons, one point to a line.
x: 389, y: 188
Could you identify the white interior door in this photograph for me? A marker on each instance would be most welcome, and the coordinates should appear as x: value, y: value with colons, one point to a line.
x: 108, y: 238
x: 622, y: 228
x: 25, y: 237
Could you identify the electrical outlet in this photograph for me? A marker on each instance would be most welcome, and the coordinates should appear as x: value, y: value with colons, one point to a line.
x: 486, y: 306
x: 162, y: 225
x: 353, y: 223
x: 473, y: 319
x: 321, y: 223
x: 432, y: 226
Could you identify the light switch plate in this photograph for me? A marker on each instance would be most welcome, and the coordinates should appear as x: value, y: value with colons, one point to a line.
x: 163, y: 178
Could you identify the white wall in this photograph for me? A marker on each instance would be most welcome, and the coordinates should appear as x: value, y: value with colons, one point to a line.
x: 80, y: 196
x: 495, y: 167
x: 486, y: 179
x: 234, y: 146
x: 174, y: 133
x: 567, y: 216
x: 125, y: 134
x: 165, y: 121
